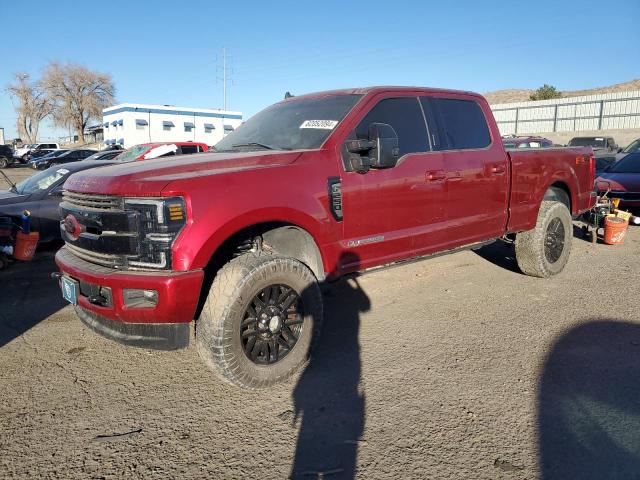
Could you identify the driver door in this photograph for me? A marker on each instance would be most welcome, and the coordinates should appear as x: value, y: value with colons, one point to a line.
x: 387, y: 212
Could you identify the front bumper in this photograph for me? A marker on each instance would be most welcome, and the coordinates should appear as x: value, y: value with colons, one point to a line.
x: 178, y: 296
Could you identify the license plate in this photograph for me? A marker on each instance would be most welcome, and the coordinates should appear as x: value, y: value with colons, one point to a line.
x: 70, y: 290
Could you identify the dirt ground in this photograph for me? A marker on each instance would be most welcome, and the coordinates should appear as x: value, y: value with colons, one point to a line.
x: 455, y: 367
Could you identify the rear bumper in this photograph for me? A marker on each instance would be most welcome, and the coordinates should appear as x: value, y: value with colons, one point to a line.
x: 178, y: 296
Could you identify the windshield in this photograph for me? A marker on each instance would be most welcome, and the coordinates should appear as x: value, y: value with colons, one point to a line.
x: 104, y: 155
x: 292, y: 124
x: 133, y: 153
x: 632, y: 147
x: 587, y: 142
x: 628, y: 164
x: 41, y: 181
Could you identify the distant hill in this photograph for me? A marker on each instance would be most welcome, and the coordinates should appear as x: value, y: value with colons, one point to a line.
x: 522, y: 95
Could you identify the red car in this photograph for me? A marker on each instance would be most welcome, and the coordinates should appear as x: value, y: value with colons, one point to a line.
x: 313, y: 187
x: 623, y: 178
x: 147, y: 151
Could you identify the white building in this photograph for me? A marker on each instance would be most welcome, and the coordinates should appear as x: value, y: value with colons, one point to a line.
x: 129, y: 124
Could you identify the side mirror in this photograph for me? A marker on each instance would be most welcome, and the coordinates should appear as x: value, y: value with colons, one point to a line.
x: 620, y: 149
x: 386, y: 151
x: 380, y: 150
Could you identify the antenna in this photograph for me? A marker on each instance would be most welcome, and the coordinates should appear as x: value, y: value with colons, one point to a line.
x: 227, y: 72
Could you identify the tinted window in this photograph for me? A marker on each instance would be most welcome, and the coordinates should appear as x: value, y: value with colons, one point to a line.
x: 405, y: 116
x: 189, y: 149
x: 461, y: 124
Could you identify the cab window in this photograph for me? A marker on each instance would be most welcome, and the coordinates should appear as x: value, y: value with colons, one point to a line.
x: 405, y: 116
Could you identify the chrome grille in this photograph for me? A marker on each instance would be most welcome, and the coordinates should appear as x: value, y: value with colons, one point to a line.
x: 92, y: 201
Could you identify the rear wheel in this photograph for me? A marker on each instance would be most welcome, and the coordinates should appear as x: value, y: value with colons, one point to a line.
x: 259, y: 319
x: 544, y: 251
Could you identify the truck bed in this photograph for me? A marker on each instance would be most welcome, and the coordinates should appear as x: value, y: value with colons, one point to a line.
x: 532, y: 171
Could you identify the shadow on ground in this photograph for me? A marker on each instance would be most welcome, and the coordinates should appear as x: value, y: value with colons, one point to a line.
x: 328, y: 396
x: 503, y: 253
x: 589, y: 403
x: 28, y: 294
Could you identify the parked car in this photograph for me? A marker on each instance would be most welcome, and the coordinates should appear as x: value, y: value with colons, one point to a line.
x: 105, y: 155
x: 53, y: 154
x: 526, y: 142
x: 601, y: 146
x: 41, y: 194
x: 23, y: 152
x: 623, y: 178
x: 33, y: 154
x: 6, y: 156
x: 69, y: 156
x: 147, y: 151
x: 314, y: 187
x: 633, y: 147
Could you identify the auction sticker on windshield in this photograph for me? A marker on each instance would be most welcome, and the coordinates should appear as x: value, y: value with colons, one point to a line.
x: 321, y: 124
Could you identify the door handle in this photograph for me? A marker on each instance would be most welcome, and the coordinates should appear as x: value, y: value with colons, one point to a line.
x: 435, y: 176
x: 498, y: 169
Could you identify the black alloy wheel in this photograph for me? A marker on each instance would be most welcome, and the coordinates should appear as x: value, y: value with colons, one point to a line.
x: 554, y: 240
x: 272, y: 324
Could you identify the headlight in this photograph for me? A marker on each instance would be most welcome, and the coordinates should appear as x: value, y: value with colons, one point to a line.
x: 159, y: 223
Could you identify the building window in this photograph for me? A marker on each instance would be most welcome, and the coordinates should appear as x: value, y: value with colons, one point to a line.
x: 167, y: 126
x: 120, y: 122
x: 188, y: 126
x: 228, y: 129
x: 209, y: 127
x: 141, y: 123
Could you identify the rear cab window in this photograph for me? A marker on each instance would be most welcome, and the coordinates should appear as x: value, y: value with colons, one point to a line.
x: 459, y: 124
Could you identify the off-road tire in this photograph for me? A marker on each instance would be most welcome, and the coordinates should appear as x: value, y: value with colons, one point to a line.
x: 4, y: 162
x: 218, y: 329
x: 530, y: 245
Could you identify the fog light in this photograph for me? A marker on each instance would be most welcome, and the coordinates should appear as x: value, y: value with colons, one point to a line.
x: 135, y: 298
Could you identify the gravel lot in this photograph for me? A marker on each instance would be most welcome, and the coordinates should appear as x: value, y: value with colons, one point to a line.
x: 456, y: 367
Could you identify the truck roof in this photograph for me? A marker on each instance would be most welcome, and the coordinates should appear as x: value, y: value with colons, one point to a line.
x: 382, y: 89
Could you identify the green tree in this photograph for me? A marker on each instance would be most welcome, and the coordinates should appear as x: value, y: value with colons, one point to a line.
x: 545, y: 92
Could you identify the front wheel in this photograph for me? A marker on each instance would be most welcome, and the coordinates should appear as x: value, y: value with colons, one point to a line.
x: 544, y: 251
x: 4, y: 162
x: 259, y: 319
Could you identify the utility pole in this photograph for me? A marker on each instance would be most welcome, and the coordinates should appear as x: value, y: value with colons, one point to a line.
x: 226, y: 76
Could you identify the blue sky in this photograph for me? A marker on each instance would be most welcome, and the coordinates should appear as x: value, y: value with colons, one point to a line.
x: 165, y: 51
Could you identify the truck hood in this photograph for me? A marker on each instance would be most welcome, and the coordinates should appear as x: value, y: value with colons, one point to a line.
x: 149, y: 177
x: 9, y: 198
x: 628, y: 182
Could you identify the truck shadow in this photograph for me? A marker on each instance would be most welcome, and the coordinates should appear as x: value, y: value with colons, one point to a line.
x: 503, y: 254
x: 328, y: 395
x: 589, y: 403
x: 28, y: 295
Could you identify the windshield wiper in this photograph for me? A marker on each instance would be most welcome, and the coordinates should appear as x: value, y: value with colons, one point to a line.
x: 255, y: 144
x: 11, y: 184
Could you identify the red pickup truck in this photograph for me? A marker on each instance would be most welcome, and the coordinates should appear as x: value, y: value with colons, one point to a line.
x: 313, y: 187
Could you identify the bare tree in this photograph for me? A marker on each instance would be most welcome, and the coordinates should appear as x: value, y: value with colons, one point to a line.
x: 78, y: 94
x: 31, y: 104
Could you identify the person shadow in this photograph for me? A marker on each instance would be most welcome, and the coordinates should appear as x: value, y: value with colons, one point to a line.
x: 589, y: 403
x: 328, y: 398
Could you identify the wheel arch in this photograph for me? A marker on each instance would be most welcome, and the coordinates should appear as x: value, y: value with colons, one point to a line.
x: 559, y: 191
x: 285, y: 238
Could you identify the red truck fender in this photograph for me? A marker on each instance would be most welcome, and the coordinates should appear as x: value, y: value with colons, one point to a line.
x: 290, y: 233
